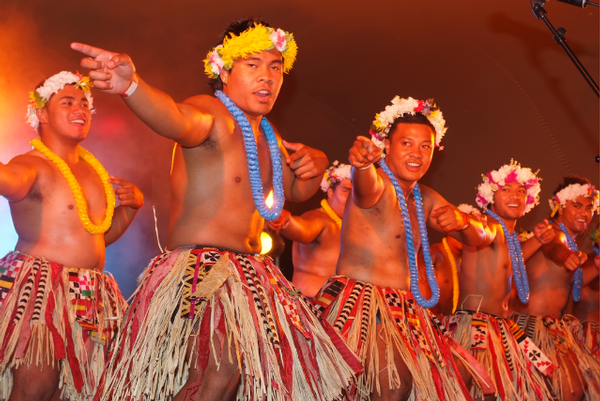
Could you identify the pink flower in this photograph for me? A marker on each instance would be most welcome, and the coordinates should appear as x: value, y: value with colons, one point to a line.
x: 512, y: 177
x: 278, y: 38
x: 420, y: 106
x: 530, y: 199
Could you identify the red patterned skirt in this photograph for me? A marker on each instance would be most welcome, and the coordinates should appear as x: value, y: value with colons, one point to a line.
x: 56, y: 315
x: 193, y: 295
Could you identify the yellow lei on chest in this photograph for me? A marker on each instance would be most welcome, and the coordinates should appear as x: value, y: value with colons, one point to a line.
x: 452, y: 261
x: 82, y: 208
x: 331, y: 213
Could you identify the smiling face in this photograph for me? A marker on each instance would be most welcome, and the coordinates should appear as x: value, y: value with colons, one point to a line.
x: 66, y: 114
x: 409, y: 151
x: 337, y: 197
x: 253, y: 83
x: 510, y: 201
x: 577, y: 214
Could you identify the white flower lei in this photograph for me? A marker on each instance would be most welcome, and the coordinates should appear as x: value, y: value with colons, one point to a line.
x: 51, y: 86
x: 468, y: 209
x: 512, y: 172
x: 336, y: 173
x: 572, y: 192
x: 400, y: 106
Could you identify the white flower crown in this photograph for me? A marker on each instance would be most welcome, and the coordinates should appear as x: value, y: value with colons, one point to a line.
x: 399, y: 107
x: 336, y: 173
x: 39, y: 97
x: 572, y: 192
x: 512, y: 172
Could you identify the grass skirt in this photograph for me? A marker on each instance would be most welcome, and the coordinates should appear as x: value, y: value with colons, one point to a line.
x: 51, y: 314
x: 513, y: 362
x: 558, y: 343
x: 361, y: 312
x: 192, y: 295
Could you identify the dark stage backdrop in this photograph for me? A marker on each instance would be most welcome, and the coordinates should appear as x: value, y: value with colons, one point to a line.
x: 506, y: 89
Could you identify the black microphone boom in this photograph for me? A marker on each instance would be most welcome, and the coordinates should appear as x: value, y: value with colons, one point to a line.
x: 579, y: 3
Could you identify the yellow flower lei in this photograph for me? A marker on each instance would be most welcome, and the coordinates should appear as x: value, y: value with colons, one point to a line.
x: 82, y: 209
x: 331, y: 213
x: 455, y: 288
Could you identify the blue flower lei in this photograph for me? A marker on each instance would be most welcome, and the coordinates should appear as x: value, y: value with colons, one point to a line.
x: 516, y: 257
x: 410, y: 246
x: 253, y: 165
x: 578, y: 274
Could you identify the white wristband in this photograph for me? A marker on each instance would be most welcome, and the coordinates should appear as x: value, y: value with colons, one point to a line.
x: 132, y: 87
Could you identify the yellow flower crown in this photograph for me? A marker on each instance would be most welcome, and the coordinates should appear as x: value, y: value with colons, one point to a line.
x: 253, y: 40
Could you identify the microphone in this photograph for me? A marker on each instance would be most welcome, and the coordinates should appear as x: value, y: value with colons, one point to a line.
x: 579, y: 3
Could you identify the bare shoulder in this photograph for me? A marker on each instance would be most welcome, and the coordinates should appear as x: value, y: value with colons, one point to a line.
x: 316, y: 214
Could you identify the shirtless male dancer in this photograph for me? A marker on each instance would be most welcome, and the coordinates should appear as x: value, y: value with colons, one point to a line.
x: 486, y: 270
x: 58, y: 311
x: 556, y: 271
x: 374, y: 301
x: 586, y: 310
x: 212, y: 319
x: 316, y: 234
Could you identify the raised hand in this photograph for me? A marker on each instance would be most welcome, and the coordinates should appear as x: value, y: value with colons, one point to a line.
x: 128, y: 194
x: 544, y: 232
x: 575, y: 259
x: 364, y: 153
x: 280, y: 223
x: 450, y: 219
x: 305, y: 162
x: 110, y: 72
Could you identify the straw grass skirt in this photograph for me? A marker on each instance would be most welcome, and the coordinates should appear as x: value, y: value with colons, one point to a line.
x: 362, y: 313
x: 58, y: 316
x: 193, y: 295
x: 557, y: 342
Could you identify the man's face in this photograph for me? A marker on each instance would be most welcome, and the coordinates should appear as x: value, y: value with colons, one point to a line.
x: 577, y: 214
x: 409, y: 151
x: 337, y: 198
x: 66, y: 114
x: 510, y: 200
x: 253, y: 83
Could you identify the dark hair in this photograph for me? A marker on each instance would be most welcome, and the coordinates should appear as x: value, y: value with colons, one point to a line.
x: 407, y: 118
x: 570, y: 180
x: 235, y: 28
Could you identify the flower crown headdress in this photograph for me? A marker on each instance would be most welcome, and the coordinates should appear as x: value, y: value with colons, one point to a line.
x: 512, y: 172
x: 253, y: 40
x: 572, y: 192
x: 336, y: 173
x: 41, y: 96
x: 399, y: 107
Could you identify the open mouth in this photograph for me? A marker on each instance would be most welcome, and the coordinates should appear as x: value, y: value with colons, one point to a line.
x: 78, y: 122
x: 413, y: 166
x: 263, y: 95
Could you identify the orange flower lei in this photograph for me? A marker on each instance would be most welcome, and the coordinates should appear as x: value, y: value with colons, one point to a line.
x: 455, y: 288
x: 331, y: 213
x: 82, y: 209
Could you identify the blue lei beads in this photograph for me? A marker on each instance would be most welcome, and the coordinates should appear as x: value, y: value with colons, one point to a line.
x: 410, y: 246
x: 516, y: 258
x: 578, y: 274
x: 253, y: 165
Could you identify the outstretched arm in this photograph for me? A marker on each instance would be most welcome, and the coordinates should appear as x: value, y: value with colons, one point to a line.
x: 543, y: 233
x: 187, y: 123
x: 303, y: 170
x: 367, y: 185
x: 558, y: 251
x: 446, y: 218
x: 16, y: 179
x: 303, y: 229
x: 131, y: 200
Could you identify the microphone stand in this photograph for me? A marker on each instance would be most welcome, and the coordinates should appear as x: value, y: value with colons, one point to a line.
x: 559, y: 38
